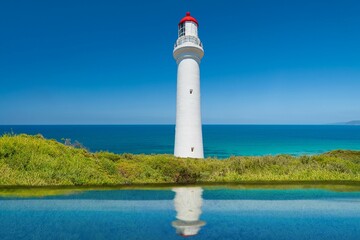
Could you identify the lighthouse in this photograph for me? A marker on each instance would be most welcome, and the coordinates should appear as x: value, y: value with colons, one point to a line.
x: 188, y: 52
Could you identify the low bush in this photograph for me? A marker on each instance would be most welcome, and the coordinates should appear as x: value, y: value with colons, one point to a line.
x: 34, y: 160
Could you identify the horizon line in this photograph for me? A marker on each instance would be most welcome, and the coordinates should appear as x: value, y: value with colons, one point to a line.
x: 168, y: 124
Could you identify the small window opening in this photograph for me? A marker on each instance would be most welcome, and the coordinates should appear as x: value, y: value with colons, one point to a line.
x: 191, y: 91
x: 181, y: 30
x: 192, y: 149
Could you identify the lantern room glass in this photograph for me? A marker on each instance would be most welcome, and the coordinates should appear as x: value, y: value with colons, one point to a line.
x: 181, y: 30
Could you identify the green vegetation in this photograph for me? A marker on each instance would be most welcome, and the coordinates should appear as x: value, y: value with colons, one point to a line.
x: 34, y: 161
x: 46, y: 191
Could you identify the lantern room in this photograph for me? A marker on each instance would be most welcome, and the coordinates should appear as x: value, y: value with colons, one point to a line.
x: 188, y: 32
x: 188, y: 26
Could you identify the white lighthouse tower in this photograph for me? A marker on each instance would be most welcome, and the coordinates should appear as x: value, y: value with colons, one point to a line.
x: 188, y: 53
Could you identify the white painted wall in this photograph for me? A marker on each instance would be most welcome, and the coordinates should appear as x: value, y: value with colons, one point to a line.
x: 188, y: 132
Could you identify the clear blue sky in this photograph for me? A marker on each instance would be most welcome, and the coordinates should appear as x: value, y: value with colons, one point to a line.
x: 110, y: 62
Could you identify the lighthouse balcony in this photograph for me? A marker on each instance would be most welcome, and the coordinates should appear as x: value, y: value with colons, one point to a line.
x: 184, y: 40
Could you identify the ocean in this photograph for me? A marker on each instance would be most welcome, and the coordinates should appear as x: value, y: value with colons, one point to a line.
x: 219, y: 140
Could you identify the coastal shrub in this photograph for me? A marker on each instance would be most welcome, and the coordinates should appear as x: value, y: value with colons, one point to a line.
x: 129, y: 170
x: 349, y: 155
x: 185, y: 175
x: 108, y: 166
x: 127, y: 156
x: 107, y: 155
x: 34, y: 160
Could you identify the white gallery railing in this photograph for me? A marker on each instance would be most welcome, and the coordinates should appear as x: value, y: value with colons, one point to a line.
x: 185, y: 39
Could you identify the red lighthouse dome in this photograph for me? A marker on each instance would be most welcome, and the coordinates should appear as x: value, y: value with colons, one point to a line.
x: 188, y: 18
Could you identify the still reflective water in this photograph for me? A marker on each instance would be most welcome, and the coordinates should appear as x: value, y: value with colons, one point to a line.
x: 194, y: 212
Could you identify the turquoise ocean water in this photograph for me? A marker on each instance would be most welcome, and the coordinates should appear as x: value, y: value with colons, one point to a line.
x: 219, y: 140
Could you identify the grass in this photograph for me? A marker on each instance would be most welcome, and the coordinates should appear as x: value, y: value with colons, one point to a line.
x: 35, y: 161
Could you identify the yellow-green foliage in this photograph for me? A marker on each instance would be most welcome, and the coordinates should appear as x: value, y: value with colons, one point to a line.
x: 33, y: 160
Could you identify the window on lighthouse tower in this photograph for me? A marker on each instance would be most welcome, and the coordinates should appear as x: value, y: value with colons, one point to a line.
x: 182, y: 29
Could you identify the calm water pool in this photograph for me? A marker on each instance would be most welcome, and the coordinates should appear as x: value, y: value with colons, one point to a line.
x: 201, y: 213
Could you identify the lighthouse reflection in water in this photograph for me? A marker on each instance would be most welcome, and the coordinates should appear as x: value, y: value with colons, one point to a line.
x: 188, y: 202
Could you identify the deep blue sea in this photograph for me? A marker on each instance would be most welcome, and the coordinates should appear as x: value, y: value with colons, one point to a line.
x: 233, y: 214
x: 219, y: 140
